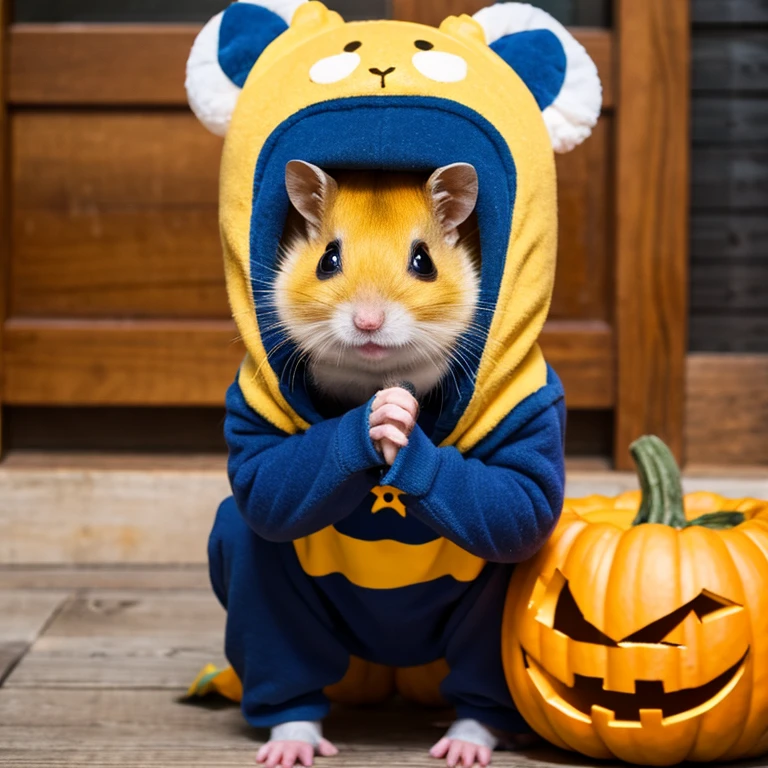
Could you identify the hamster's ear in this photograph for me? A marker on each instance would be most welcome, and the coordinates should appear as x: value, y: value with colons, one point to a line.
x: 311, y: 190
x: 224, y: 54
x: 552, y: 63
x: 453, y: 189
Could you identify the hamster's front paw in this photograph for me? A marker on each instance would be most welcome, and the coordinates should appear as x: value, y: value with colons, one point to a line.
x: 290, y: 743
x: 393, y: 417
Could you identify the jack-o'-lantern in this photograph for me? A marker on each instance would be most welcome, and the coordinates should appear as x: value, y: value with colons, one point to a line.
x: 640, y: 630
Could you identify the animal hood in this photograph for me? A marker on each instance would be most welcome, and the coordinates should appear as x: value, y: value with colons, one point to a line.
x: 285, y: 79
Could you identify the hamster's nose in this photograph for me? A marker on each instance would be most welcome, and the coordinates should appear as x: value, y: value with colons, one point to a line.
x: 366, y: 319
x: 382, y: 75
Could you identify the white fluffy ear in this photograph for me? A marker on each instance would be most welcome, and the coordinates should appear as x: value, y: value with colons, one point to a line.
x: 211, y: 92
x: 575, y: 110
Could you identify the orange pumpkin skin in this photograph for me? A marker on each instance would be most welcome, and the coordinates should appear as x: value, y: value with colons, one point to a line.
x: 623, y: 579
x: 363, y: 683
x: 422, y: 684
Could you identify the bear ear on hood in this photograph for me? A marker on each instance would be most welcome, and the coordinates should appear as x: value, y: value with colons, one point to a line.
x: 224, y: 53
x: 552, y: 63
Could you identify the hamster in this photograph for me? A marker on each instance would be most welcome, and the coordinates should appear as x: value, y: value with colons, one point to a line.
x: 376, y: 284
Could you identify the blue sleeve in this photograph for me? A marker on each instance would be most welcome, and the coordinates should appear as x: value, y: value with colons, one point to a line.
x: 289, y: 486
x: 501, y: 500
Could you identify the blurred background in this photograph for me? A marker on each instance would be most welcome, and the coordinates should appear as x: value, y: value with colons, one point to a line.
x: 116, y: 344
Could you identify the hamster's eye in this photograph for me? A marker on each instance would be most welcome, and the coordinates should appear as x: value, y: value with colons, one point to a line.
x: 353, y: 46
x: 424, y: 45
x: 421, y: 264
x: 330, y: 262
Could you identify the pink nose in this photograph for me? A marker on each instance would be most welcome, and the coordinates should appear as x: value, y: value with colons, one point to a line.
x: 368, y: 319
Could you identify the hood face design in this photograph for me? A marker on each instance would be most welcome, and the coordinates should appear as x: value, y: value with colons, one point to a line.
x: 403, y: 97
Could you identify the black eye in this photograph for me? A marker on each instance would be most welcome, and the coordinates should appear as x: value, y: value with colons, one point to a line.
x: 424, y: 45
x: 353, y: 46
x: 330, y: 263
x: 421, y: 264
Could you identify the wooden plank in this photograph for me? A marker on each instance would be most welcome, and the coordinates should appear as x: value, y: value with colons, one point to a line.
x: 732, y: 235
x: 652, y: 222
x: 193, y: 362
x: 729, y: 62
x: 722, y: 287
x: 729, y: 177
x: 119, y: 362
x: 583, y: 283
x: 727, y: 409
x: 729, y: 12
x: 99, y: 64
x: 143, y: 64
x: 729, y: 333
x: 118, y: 577
x: 24, y: 614
x: 126, y: 640
x: 5, y: 214
x: 86, y: 515
x: 729, y: 120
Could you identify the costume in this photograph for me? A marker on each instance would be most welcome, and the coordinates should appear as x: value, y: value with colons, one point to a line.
x: 324, y: 552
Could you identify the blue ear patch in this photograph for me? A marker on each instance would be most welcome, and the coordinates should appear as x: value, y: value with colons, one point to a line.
x: 539, y: 59
x: 246, y: 30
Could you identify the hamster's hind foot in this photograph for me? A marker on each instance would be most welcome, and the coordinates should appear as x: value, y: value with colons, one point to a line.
x: 292, y: 743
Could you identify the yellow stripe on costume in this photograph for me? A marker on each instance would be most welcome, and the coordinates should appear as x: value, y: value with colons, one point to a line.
x: 384, y: 564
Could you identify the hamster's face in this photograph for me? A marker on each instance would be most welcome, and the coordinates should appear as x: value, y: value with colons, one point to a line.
x: 377, y: 285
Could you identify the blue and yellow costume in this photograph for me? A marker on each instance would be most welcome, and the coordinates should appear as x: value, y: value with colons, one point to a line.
x: 324, y: 552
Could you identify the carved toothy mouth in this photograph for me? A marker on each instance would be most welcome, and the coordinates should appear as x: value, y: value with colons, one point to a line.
x: 649, y: 702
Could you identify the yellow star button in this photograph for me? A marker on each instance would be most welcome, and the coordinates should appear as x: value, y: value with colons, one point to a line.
x: 388, y: 497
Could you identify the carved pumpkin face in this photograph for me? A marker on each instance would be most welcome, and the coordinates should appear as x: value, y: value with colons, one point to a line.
x: 644, y: 642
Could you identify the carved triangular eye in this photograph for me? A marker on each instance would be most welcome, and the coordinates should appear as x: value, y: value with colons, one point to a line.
x: 703, y: 605
x: 560, y: 611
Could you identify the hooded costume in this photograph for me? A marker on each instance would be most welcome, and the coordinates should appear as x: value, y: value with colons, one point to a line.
x: 324, y: 552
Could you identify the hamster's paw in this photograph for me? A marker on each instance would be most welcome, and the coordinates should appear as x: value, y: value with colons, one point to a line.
x: 292, y: 743
x: 467, y: 743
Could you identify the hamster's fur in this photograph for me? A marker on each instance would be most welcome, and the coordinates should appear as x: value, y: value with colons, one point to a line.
x: 375, y: 284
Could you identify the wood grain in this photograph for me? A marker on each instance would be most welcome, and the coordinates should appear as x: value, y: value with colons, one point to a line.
x: 108, y: 577
x: 24, y: 615
x: 729, y: 12
x: 122, y: 64
x: 718, y: 120
x: 729, y: 63
x: 193, y: 362
x: 584, y: 280
x: 119, y: 362
x: 5, y: 214
x: 126, y: 640
x: 652, y: 222
x: 729, y: 177
x: 86, y: 515
x: 727, y: 409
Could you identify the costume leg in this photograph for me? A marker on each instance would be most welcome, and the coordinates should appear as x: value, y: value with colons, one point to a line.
x: 279, y: 637
x: 476, y: 685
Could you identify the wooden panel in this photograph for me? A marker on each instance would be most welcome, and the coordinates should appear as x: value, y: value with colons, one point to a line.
x: 729, y: 11
x: 584, y: 281
x: 727, y: 409
x: 192, y: 363
x: 126, y: 640
x: 652, y: 222
x: 115, y: 214
x: 24, y: 616
x: 729, y: 235
x: 719, y: 120
x: 119, y: 363
x: 733, y: 333
x: 113, y: 577
x: 131, y: 514
x: 99, y: 64
x: 725, y: 63
x: 144, y: 64
x: 729, y: 177
x: 5, y: 216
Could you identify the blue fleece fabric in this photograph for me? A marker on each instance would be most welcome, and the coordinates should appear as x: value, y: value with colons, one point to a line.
x: 289, y: 635
x: 538, y: 57
x: 246, y: 30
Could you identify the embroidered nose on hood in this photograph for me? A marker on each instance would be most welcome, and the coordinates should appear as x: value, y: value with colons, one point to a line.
x: 286, y: 79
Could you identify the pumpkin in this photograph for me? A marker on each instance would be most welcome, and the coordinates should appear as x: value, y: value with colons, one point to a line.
x: 640, y: 630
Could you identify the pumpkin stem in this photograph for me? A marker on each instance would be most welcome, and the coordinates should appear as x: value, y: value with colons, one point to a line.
x: 718, y: 521
x: 662, y: 491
